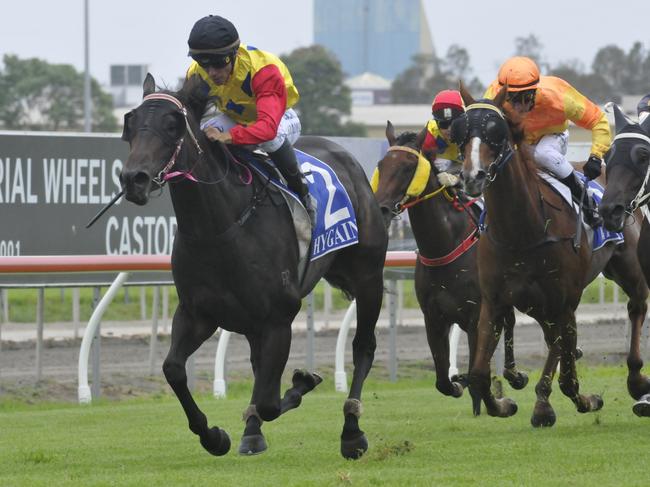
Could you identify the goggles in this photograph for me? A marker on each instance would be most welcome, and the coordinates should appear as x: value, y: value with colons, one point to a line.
x: 521, y: 97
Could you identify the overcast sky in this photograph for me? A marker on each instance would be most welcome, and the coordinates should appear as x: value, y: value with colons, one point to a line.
x: 150, y: 32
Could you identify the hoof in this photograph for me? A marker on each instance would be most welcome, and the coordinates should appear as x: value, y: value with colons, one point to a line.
x: 517, y: 381
x: 353, y: 449
x: 543, y: 415
x: 306, y: 379
x: 543, y: 420
x: 462, y: 379
x: 504, y: 408
x: 642, y: 407
x: 579, y: 353
x: 457, y: 389
x: 252, y: 445
x: 216, y: 442
x: 595, y: 404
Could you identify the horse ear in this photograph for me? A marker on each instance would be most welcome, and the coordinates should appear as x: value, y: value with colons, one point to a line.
x: 149, y: 85
x: 645, y: 123
x: 500, y: 99
x: 390, y: 133
x: 464, y: 93
x: 620, y: 119
x: 419, y: 140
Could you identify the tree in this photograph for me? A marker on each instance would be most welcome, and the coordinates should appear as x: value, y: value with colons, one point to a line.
x: 427, y: 75
x: 530, y: 47
x: 324, y: 99
x: 37, y: 95
x: 610, y: 64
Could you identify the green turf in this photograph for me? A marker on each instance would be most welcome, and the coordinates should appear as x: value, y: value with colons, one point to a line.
x: 417, y: 438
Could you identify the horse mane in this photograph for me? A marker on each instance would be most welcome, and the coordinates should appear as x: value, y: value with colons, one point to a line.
x: 405, y: 138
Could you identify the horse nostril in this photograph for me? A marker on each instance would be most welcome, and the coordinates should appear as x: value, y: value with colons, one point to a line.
x: 141, y: 179
x: 481, y: 175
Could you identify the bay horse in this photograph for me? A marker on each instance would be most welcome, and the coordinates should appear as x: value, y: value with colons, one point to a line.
x: 235, y: 260
x: 528, y: 259
x: 446, y: 231
x: 626, y: 195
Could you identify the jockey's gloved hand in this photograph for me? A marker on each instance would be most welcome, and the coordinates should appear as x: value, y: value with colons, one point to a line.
x: 592, y: 167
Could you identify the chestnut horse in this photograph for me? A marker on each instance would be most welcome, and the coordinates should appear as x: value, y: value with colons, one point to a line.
x: 527, y: 259
x: 445, y: 230
x: 235, y: 260
x: 628, y: 173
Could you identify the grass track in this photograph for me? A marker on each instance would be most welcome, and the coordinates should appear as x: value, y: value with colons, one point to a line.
x: 417, y: 438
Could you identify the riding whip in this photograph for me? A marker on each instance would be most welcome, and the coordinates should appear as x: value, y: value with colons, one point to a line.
x: 103, y: 210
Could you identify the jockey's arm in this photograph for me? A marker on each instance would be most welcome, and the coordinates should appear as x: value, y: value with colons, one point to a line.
x: 586, y: 114
x: 271, y: 102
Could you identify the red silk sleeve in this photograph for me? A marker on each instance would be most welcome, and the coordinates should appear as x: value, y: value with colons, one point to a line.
x: 271, y: 103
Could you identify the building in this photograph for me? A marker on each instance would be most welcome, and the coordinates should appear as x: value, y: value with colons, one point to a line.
x: 369, y: 89
x: 372, y: 36
x: 126, y: 84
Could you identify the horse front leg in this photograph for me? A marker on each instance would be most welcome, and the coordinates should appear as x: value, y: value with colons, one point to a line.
x: 638, y: 384
x: 543, y: 413
x: 517, y: 379
x: 568, y: 379
x: 369, y: 295
x: 489, y: 329
x: 187, y: 336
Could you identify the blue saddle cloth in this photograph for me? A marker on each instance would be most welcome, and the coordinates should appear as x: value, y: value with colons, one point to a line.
x: 336, y: 223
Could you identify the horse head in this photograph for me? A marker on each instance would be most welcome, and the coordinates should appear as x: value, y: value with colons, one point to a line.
x: 484, y: 138
x: 402, y: 173
x: 156, y: 131
x: 628, y: 170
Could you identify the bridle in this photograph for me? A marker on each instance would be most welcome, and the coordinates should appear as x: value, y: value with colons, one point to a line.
x: 641, y: 197
x: 164, y: 175
x: 404, y: 203
x: 489, y: 134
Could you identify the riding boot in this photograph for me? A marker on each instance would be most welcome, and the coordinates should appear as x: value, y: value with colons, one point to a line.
x: 286, y: 162
x: 589, y: 209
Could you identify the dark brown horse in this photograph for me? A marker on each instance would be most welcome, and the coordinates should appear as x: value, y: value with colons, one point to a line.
x: 235, y: 260
x: 445, y: 230
x: 528, y: 259
x: 626, y: 195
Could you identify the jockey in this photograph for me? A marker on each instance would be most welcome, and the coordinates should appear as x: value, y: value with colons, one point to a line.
x: 254, y: 93
x: 643, y: 108
x: 548, y: 104
x: 437, y: 146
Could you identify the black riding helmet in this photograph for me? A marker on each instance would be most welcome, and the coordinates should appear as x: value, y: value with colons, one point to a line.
x: 213, y: 41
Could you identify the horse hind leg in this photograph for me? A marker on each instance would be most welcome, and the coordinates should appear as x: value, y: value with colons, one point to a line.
x: 187, y: 336
x: 438, y: 339
x: 517, y: 379
x: 569, y: 384
x: 269, y: 354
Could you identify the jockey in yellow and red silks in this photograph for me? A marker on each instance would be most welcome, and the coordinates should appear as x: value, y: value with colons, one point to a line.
x: 254, y: 92
x: 547, y: 104
x: 437, y: 146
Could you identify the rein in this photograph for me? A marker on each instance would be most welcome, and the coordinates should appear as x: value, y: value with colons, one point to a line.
x: 164, y: 175
x: 466, y: 244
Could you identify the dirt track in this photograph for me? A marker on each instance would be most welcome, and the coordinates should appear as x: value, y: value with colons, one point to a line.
x: 125, y: 361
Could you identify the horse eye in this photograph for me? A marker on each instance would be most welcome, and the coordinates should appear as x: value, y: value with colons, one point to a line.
x: 640, y: 154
